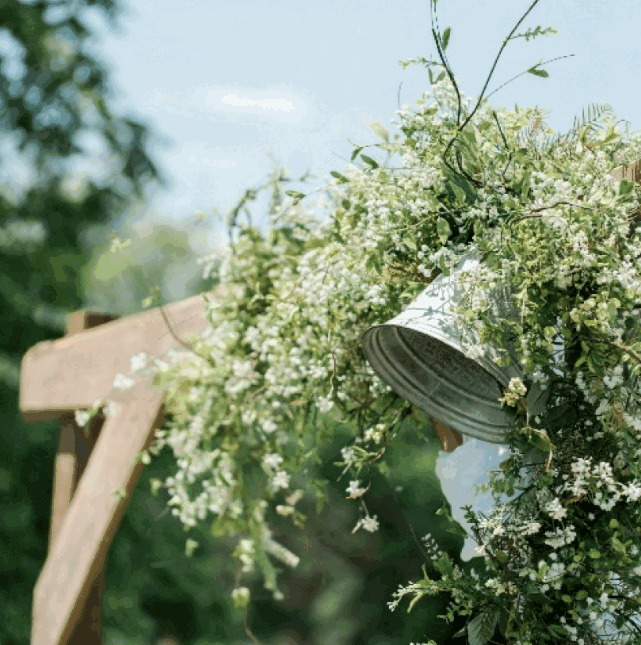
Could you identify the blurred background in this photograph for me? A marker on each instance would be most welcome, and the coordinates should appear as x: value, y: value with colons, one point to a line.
x: 149, y: 120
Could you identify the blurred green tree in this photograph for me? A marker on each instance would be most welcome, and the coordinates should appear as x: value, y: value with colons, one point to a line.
x: 52, y: 108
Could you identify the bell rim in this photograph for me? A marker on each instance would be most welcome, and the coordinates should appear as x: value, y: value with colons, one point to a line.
x: 430, y: 407
x: 434, y: 332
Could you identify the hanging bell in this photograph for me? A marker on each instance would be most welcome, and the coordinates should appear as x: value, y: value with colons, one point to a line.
x: 421, y: 355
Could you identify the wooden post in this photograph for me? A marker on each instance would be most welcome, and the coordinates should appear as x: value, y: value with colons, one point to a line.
x: 57, y: 378
x: 74, y: 448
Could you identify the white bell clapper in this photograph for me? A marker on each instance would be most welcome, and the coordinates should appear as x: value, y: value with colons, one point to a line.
x: 462, y: 470
x: 459, y: 472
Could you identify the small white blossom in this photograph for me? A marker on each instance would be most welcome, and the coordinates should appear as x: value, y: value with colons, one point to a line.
x: 280, y: 480
x: 555, y: 510
x: 123, y: 382
x: 138, y: 361
x: 353, y: 489
x: 369, y: 523
x: 82, y: 417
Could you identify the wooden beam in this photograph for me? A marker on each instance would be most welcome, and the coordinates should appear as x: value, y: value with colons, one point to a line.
x: 450, y: 439
x: 57, y: 378
x: 70, y: 373
x: 631, y: 172
x: 79, y: 550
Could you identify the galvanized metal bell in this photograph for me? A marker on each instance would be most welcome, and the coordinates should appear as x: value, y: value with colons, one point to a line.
x: 421, y: 355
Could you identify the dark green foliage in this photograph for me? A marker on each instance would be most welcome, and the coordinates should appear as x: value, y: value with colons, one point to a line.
x: 41, y: 258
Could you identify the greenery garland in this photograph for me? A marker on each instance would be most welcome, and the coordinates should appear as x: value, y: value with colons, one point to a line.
x: 251, y: 399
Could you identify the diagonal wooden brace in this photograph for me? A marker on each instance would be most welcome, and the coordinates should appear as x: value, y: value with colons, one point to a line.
x: 78, y: 553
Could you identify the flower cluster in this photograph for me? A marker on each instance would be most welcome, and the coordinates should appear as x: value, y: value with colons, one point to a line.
x: 283, y: 357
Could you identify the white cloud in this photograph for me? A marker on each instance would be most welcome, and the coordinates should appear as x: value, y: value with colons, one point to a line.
x: 268, y: 104
x: 235, y: 103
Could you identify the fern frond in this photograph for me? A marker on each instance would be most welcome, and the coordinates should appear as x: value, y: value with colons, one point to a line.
x: 595, y: 114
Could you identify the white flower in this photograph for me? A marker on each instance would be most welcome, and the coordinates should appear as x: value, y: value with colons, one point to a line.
x: 138, y: 361
x: 280, y: 552
x: 514, y: 391
x: 368, y: 523
x: 632, y: 491
x: 272, y: 460
x: 240, y: 597
x: 555, y: 510
x: 348, y: 454
x: 122, y: 382
x: 280, y: 480
x: 560, y: 537
x: 480, y: 550
x: 324, y: 404
x: 110, y: 409
x: 82, y: 417
x: 269, y: 426
x: 353, y: 489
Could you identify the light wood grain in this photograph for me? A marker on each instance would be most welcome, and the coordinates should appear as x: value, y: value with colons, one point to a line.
x: 78, y: 553
x: 71, y: 373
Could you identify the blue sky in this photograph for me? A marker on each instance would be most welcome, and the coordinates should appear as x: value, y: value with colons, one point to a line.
x: 227, y: 83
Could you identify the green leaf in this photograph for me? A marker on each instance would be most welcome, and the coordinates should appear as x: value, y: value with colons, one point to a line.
x: 373, y: 262
x: 557, y: 630
x: 443, y: 230
x: 504, y: 620
x: 538, y: 72
x: 481, y: 628
x: 355, y: 153
x: 580, y: 361
x: 618, y: 546
x: 380, y: 130
x: 340, y: 177
x: 625, y: 186
x: 369, y: 160
x: 445, y: 38
x: 454, y: 180
x: 594, y: 554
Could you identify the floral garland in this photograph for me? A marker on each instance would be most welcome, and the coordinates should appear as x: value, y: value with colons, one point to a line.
x: 252, y: 398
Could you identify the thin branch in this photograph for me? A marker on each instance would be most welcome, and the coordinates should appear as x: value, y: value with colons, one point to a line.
x: 623, y: 348
x: 552, y: 60
x: 480, y: 98
x: 544, y: 208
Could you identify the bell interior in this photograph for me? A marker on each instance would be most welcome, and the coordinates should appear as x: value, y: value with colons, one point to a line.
x: 438, y: 379
x: 428, y: 358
